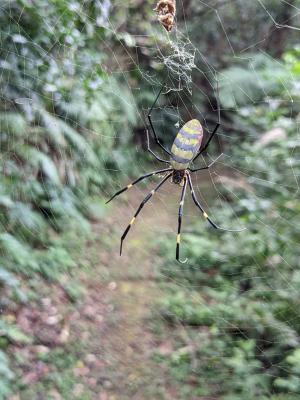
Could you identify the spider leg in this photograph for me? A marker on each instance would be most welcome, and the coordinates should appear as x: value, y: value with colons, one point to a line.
x: 180, y: 213
x: 146, y: 199
x: 152, y: 152
x: 216, y: 127
x: 204, y: 213
x: 208, y: 166
x: 151, y: 124
x: 136, y: 181
x: 208, y: 142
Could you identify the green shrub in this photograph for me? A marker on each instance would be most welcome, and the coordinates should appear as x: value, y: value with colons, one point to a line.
x: 239, y: 293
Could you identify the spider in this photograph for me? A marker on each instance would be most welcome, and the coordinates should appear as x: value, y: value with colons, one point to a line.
x: 185, y: 150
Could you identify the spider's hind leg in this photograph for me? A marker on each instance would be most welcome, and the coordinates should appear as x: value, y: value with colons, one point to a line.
x: 146, y: 199
x: 204, y: 213
x: 180, y: 213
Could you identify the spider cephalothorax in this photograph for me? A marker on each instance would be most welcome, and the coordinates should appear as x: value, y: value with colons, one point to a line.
x: 178, y: 177
x: 186, y: 148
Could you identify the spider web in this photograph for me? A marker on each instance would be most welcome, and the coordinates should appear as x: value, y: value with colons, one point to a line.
x: 181, y: 65
x: 288, y: 98
x: 181, y: 58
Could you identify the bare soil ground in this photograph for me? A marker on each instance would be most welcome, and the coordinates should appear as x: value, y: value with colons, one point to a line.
x: 102, y: 347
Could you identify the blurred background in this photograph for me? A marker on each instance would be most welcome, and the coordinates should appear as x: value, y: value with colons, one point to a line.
x: 77, y: 79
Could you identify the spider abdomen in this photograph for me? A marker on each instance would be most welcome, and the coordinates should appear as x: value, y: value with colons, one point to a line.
x: 186, y: 144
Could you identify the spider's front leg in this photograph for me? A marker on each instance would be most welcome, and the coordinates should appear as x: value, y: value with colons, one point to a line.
x: 137, y: 181
x: 152, y: 126
x: 218, y: 124
x: 208, y: 142
x: 208, y: 166
x: 152, y: 152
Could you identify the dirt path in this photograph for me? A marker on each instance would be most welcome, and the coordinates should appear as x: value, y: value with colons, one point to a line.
x: 120, y: 294
x: 102, y: 347
x: 104, y: 344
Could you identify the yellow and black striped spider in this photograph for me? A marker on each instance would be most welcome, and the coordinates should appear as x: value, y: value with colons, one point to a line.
x: 185, y: 150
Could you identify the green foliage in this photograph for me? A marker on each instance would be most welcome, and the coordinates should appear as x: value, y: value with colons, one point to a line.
x: 56, y: 133
x: 291, y: 383
x: 239, y: 296
x: 74, y: 291
x: 60, y: 115
x: 9, y: 288
x: 6, y: 376
x: 61, y: 374
x: 13, y: 333
x: 241, y: 85
x: 66, y: 123
x: 17, y: 252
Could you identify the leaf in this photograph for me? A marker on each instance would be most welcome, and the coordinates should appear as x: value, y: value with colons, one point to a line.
x: 18, y: 252
x: 248, y: 84
x: 40, y: 160
x: 78, y: 142
x: 5, y: 371
x: 17, y: 38
x: 22, y: 214
x: 13, y: 124
x: 48, y: 167
x: 53, y: 128
x: 13, y: 333
x: 6, y: 278
x: 6, y: 201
